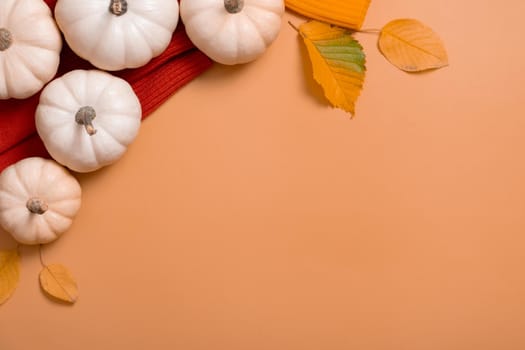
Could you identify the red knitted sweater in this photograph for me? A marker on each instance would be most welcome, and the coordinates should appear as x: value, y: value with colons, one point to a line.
x: 153, y: 84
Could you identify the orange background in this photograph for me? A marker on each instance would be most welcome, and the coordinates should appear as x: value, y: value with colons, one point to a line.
x: 250, y: 215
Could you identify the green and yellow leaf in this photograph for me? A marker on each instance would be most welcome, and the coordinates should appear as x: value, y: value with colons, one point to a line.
x: 412, y: 46
x: 9, y: 273
x: 57, y: 282
x: 343, y: 13
x: 338, y: 62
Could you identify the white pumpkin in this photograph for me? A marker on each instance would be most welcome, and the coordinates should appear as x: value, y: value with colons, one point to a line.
x: 38, y: 200
x: 87, y: 118
x: 232, y: 31
x: 117, y: 34
x: 30, y: 45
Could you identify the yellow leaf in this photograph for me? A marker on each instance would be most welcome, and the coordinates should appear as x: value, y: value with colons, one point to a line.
x: 338, y: 62
x: 58, y: 282
x: 412, y: 46
x: 9, y: 273
x: 343, y: 13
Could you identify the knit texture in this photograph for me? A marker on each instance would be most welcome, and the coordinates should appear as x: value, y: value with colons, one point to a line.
x: 153, y: 84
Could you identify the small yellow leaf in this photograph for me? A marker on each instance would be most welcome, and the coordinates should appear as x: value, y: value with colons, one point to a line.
x: 338, y: 62
x: 412, y: 46
x: 9, y: 273
x: 58, y: 282
x: 343, y: 13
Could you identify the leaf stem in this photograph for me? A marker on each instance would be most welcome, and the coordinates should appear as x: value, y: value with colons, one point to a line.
x: 293, y: 26
x: 369, y: 31
x: 40, y: 248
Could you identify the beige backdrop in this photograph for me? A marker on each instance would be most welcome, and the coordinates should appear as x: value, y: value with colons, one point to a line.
x: 250, y: 215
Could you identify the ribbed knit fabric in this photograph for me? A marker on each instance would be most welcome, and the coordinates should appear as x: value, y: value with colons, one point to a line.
x: 153, y: 84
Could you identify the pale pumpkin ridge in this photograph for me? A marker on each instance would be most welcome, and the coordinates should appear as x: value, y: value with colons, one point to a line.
x: 58, y: 283
x: 85, y: 16
x: 52, y: 179
x: 98, y: 43
x: 58, y: 214
x: 12, y: 219
x: 257, y: 27
x: 10, y: 196
x: 94, y: 74
x: 136, y: 37
x: 408, y: 43
x: 50, y: 231
x: 8, y: 8
x: 129, y: 37
x: 235, y: 35
x: 23, y: 60
x: 61, y: 129
x: 69, y: 89
x: 87, y: 90
x: 47, y: 28
x: 109, y: 82
x: 7, y: 76
x: 53, y: 209
x: 38, y: 68
x: 3, y: 83
x: 87, y: 42
x: 263, y: 5
x: 52, y: 105
x: 61, y: 203
x: 124, y: 39
x: 56, y: 177
x: 201, y: 7
x: 150, y: 20
x: 195, y: 18
x: 18, y: 178
x: 67, y: 97
x: 79, y: 88
x: 12, y: 11
x: 73, y: 139
x: 96, y: 150
x: 105, y: 130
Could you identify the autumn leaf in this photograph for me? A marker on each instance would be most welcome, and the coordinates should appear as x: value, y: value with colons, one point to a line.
x: 58, y: 282
x: 9, y: 273
x: 343, y: 13
x: 412, y: 46
x: 338, y: 62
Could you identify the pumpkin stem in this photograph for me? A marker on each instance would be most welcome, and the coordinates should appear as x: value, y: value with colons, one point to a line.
x: 85, y: 116
x: 6, y: 39
x: 233, y: 6
x: 37, y: 206
x: 118, y: 7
